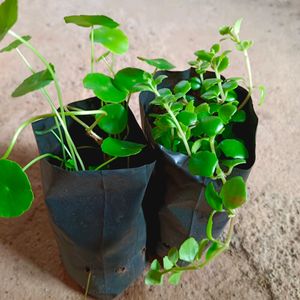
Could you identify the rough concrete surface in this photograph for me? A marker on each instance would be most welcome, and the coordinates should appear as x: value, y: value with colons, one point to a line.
x: 263, y: 262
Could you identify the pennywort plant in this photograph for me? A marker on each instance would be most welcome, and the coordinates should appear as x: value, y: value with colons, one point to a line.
x: 113, y: 90
x: 195, y: 117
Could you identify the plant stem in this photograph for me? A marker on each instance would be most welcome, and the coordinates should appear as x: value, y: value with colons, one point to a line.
x: 106, y: 163
x: 61, y: 118
x: 219, y: 171
x: 218, y: 76
x: 250, y: 87
x: 92, y: 50
x: 37, y: 118
x: 49, y: 100
x: 40, y: 157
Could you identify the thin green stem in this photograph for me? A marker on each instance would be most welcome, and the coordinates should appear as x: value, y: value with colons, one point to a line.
x: 180, y: 131
x: 106, y: 163
x: 90, y: 128
x: 37, y: 118
x: 49, y: 100
x: 92, y: 50
x: 219, y: 171
x: 250, y: 87
x: 218, y: 76
x: 61, y: 118
x: 40, y: 157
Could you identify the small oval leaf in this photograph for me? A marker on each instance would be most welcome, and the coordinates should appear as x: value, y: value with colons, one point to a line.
x: 188, y: 250
x: 233, y: 149
x: 158, y: 63
x: 91, y: 20
x: 203, y: 163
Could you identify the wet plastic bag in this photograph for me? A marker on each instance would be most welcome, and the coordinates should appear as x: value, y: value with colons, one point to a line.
x: 97, y: 216
x: 175, y: 200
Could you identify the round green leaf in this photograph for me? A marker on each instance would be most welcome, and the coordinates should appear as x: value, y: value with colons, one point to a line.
x: 211, y: 125
x: 155, y: 265
x: 212, y: 197
x: 233, y: 149
x: 239, y: 116
x: 188, y: 250
x: 230, y: 85
x: 119, y: 148
x: 104, y: 88
x: 158, y: 63
x: 127, y: 78
x: 224, y: 63
x: 195, y: 83
x: 91, y: 20
x: 116, y: 119
x: 187, y: 118
x: 226, y: 111
x: 16, y: 195
x: 234, y: 192
x: 113, y: 39
x: 203, y: 163
x: 182, y: 87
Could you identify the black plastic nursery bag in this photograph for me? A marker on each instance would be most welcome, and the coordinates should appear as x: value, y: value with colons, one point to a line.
x: 175, y: 199
x: 97, y: 216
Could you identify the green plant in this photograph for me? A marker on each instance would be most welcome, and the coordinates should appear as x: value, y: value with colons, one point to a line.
x: 113, y: 92
x: 195, y: 118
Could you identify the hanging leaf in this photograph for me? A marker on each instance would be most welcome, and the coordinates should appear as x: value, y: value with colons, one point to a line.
x: 91, y: 20
x: 209, y: 227
x: 167, y: 263
x: 128, y: 79
x: 188, y: 250
x: 213, y: 250
x: 175, y: 278
x: 8, y: 16
x: 119, y: 148
x: 15, y: 44
x: 104, y: 88
x: 16, y: 195
x: 34, y: 82
x: 154, y: 278
x: 155, y: 265
x: 233, y: 149
x: 116, y: 119
x: 212, y: 198
x: 158, y: 63
x: 226, y: 111
x: 234, y: 192
x: 203, y: 163
x: 113, y: 39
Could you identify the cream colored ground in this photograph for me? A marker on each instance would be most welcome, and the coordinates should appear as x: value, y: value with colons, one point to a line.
x: 264, y: 260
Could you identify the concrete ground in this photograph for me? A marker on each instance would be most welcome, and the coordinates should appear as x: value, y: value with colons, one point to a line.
x: 263, y: 262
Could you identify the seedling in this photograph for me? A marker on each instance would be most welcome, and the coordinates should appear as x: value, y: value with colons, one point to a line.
x: 195, y: 118
x: 113, y: 91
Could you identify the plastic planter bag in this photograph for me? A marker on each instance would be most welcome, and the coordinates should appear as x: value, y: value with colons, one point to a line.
x: 97, y: 216
x: 175, y: 200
